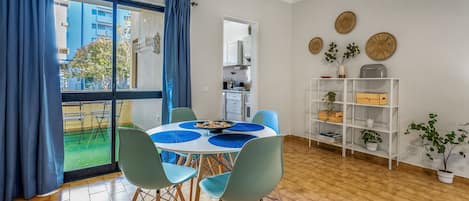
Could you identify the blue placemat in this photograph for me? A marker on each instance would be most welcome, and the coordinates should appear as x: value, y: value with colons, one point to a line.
x: 188, y: 125
x: 174, y: 136
x: 230, y: 140
x: 246, y: 127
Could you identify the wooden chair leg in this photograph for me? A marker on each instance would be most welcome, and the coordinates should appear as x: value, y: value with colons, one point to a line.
x: 200, y: 172
x: 158, y: 196
x: 180, y: 160
x: 188, y: 160
x: 137, y: 192
x: 191, y: 188
x: 220, y: 165
x: 179, y: 191
x: 231, y: 159
x: 209, y: 161
x: 176, y: 196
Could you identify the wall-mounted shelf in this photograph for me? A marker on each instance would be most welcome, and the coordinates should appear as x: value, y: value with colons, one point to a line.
x: 386, y: 117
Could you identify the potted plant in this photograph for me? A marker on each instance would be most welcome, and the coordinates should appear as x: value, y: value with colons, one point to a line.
x: 329, y: 99
x: 329, y: 114
x: 331, y: 56
x: 439, y: 144
x: 371, y: 139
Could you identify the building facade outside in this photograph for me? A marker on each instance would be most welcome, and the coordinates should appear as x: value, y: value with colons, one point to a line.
x: 79, y: 24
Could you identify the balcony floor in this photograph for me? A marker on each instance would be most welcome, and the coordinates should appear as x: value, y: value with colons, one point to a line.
x: 87, y: 149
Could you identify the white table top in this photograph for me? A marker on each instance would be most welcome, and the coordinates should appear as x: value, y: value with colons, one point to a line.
x: 202, y: 145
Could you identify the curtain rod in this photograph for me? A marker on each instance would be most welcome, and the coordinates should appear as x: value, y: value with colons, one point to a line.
x: 194, y: 3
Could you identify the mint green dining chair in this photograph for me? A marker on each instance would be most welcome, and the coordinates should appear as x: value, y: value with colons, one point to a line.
x: 142, y: 166
x: 257, y: 171
x: 267, y: 118
x: 180, y: 114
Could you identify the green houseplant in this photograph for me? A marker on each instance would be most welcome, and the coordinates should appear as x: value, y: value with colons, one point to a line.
x: 331, y: 56
x: 329, y: 99
x: 371, y: 139
x: 439, y: 144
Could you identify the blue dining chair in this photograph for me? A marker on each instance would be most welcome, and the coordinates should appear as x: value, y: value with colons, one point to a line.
x: 267, y: 118
x: 141, y: 164
x: 257, y: 171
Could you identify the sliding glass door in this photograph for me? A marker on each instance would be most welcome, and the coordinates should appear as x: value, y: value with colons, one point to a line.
x: 111, y: 70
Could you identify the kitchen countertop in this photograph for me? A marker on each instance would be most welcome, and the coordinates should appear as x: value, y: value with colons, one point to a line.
x: 236, y: 91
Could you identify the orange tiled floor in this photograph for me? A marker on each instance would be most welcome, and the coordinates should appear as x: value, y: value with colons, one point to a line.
x: 310, y: 174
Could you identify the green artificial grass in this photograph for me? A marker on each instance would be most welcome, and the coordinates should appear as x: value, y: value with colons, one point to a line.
x: 88, y: 149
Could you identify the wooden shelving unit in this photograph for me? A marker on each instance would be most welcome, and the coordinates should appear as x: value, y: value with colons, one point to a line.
x: 386, y: 117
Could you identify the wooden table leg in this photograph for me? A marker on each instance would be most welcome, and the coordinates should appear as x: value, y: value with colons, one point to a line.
x: 199, y: 178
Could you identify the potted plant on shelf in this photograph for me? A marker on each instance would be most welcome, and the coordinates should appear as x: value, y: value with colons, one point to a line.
x: 329, y: 99
x: 371, y: 139
x: 439, y: 144
x: 329, y: 114
x: 331, y: 56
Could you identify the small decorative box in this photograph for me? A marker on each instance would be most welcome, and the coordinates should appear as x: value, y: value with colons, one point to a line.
x: 372, y: 98
x: 331, y: 116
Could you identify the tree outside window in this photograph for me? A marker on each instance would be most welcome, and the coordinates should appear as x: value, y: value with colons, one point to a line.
x: 93, y: 62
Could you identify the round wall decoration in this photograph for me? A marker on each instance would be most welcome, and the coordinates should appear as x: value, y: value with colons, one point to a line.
x: 381, y: 46
x: 315, y: 45
x: 345, y: 22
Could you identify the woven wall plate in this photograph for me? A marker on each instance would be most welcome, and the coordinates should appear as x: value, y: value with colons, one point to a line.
x: 315, y: 45
x: 381, y: 46
x: 345, y: 22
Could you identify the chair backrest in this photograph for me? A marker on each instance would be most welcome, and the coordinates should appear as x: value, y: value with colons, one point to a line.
x: 267, y: 118
x: 180, y: 114
x: 139, y: 160
x: 257, y: 170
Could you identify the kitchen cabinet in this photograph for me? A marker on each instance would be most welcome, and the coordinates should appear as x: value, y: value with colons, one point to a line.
x: 236, y: 106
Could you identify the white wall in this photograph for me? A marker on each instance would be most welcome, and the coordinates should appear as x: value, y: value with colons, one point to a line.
x: 431, y: 59
x: 146, y: 114
x: 60, y: 14
x: 274, y: 54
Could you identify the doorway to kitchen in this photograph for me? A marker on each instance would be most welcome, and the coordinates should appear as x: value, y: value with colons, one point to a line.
x: 239, y: 69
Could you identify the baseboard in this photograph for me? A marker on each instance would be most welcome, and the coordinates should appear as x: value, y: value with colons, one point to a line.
x: 403, y: 166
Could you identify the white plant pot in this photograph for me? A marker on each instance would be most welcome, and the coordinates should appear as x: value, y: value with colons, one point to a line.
x: 445, y: 177
x: 341, y: 71
x: 372, y: 146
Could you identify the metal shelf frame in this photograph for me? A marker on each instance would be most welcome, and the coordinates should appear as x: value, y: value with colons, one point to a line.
x: 348, y: 88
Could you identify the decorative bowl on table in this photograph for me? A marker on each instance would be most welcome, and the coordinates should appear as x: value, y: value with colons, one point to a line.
x: 214, y: 126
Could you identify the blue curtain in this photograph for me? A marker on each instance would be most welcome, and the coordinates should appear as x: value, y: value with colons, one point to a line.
x: 31, y: 134
x: 176, y: 61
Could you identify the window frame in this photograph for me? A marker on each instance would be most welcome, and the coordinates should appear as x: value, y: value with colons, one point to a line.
x: 114, y: 95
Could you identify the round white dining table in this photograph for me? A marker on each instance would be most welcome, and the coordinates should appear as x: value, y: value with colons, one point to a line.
x: 201, y: 145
